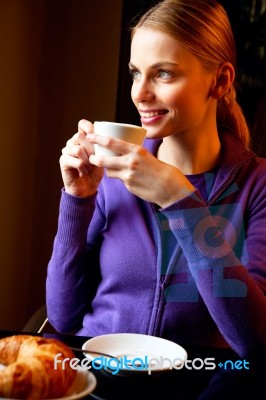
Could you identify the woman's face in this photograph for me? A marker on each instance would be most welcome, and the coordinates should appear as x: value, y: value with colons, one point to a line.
x: 171, y: 88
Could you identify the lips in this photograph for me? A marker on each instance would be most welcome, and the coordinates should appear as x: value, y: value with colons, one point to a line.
x: 150, y: 114
x: 149, y: 117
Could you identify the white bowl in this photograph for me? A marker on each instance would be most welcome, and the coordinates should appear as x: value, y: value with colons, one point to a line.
x: 84, y: 384
x: 134, y: 353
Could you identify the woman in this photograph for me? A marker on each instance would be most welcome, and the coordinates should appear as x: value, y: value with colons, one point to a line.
x: 168, y: 239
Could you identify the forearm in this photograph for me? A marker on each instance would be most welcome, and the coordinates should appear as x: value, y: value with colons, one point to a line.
x: 65, y: 287
x: 66, y: 290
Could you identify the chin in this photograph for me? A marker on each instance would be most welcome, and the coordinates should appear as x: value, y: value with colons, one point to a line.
x: 155, y: 134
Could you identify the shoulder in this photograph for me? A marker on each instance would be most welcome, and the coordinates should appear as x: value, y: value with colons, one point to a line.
x: 254, y: 176
x: 257, y: 167
x: 236, y: 157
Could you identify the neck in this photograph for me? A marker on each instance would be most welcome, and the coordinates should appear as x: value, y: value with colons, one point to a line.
x: 191, y: 156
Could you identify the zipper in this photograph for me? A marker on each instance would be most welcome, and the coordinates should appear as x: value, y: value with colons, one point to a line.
x: 160, y: 279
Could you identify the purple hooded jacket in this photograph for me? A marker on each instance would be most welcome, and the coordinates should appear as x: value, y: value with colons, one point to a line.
x: 194, y: 272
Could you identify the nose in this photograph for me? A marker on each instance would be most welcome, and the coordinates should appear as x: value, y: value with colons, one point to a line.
x: 142, y: 91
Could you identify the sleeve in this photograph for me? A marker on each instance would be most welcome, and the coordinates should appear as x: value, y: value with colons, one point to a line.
x: 227, y: 265
x: 73, y: 267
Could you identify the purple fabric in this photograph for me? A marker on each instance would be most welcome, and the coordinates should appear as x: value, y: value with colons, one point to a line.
x: 193, y: 273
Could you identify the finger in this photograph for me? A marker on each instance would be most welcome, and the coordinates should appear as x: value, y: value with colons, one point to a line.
x: 68, y: 162
x: 111, y: 162
x: 75, y: 139
x: 117, y: 145
x: 79, y: 139
x: 77, y: 151
x: 129, y: 161
x: 85, y: 126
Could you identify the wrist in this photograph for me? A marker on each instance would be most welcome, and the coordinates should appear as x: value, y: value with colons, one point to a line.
x: 177, y: 192
x: 76, y: 192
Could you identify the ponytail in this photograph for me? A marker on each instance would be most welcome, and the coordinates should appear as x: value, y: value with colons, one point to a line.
x: 230, y: 116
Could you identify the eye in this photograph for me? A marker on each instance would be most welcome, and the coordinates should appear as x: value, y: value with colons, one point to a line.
x: 165, y: 74
x: 135, y: 74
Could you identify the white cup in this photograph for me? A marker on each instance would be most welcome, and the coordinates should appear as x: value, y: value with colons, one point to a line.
x: 130, y: 133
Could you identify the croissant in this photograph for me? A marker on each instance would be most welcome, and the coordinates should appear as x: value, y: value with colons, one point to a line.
x: 30, y: 371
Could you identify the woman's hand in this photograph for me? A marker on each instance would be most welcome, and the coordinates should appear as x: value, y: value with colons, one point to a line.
x: 80, y: 177
x: 142, y: 173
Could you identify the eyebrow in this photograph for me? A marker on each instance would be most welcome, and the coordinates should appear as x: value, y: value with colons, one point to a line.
x: 157, y: 65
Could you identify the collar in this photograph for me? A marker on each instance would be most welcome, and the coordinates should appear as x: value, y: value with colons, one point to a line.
x: 234, y: 156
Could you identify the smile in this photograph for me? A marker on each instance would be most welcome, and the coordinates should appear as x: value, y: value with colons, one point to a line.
x: 151, y: 114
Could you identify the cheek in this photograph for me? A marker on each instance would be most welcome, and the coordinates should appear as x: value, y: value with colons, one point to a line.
x: 175, y: 96
x: 178, y: 100
x: 186, y: 97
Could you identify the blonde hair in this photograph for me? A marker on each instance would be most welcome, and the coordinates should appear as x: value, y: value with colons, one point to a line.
x: 203, y: 28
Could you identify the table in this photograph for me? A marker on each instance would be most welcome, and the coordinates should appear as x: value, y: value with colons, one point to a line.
x: 232, y: 377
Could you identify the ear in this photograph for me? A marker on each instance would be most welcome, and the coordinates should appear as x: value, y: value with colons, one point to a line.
x: 224, y: 78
